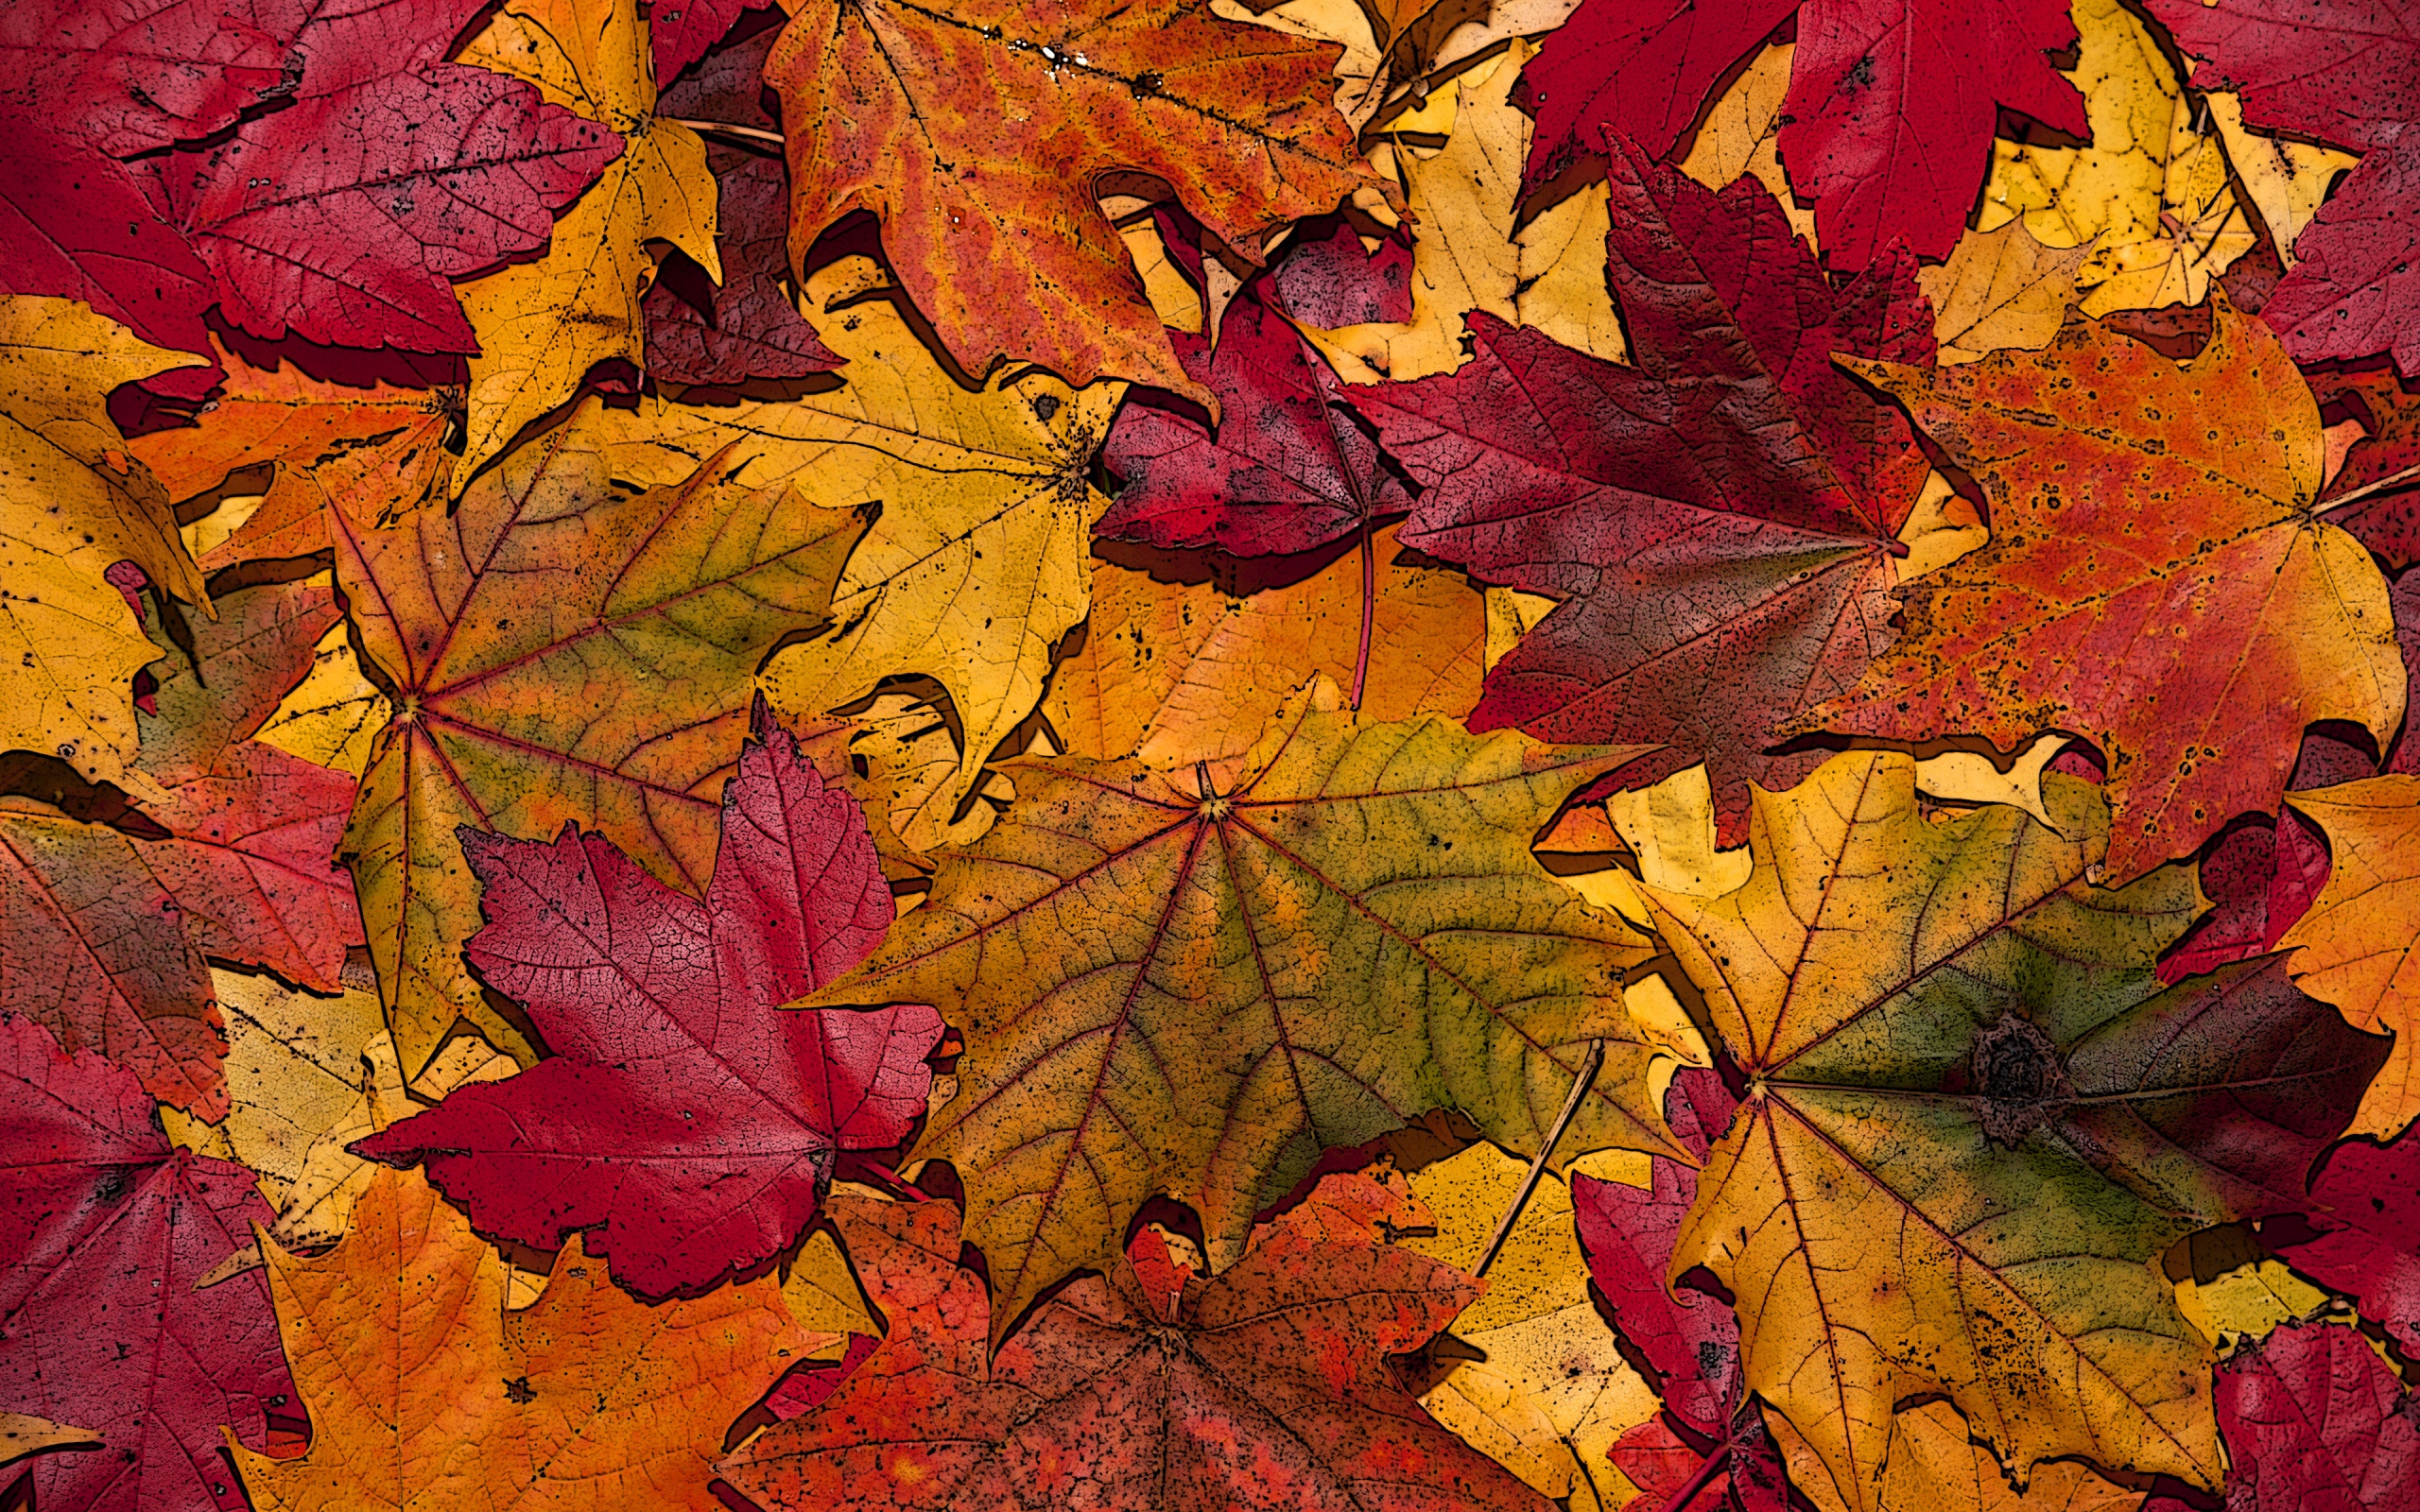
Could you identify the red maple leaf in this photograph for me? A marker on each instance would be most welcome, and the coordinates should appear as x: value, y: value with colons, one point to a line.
x: 342, y: 216
x: 1717, y: 519
x: 1290, y: 466
x: 2345, y: 72
x: 684, y: 1118
x: 1887, y: 128
x: 108, y: 1228
x: 2315, y: 1420
x: 1265, y: 1387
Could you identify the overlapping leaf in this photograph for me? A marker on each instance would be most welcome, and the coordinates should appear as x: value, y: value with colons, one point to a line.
x: 1264, y: 1386
x: 103, y: 1323
x: 681, y: 1119
x: 1192, y: 980
x: 2156, y: 580
x: 1975, y: 1117
x: 1717, y: 516
x: 976, y: 134
x: 561, y: 647
x: 583, y: 1400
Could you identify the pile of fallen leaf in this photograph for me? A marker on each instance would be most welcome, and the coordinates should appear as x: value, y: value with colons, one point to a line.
x: 1194, y: 754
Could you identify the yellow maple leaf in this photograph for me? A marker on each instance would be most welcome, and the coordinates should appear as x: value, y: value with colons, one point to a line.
x: 73, y: 502
x: 542, y: 325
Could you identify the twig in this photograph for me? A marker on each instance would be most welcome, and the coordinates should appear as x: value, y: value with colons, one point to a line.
x: 749, y: 133
x: 2383, y: 485
x: 1580, y: 1086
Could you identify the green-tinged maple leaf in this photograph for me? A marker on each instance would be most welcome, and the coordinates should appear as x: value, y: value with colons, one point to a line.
x: 426, y: 1392
x: 2158, y: 579
x: 562, y: 647
x: 1191, y: 981
x: 1975, y: 1119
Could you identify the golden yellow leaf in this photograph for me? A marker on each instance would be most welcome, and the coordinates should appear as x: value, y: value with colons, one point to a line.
x: 976, y: 564
x: 425, y: 1391
x: 22, y: 1434
x: 72, y: 502
x: 1462, y: 255
x: 1969, y: 776
x: 293, y: 1066
x: 2000, y: 289
x: 1553, y: 1392
x: 1561, y: 264
x: 2249, y: 1302
x: 334, y: 714
x: 541, y: 325
x: 2287, y: 180
x: 1859, y: 1213
x: 1937, y: 1467
x: 2150, y: 193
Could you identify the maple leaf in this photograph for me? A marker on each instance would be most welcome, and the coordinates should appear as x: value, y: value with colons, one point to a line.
x: 680, y: 1120
x: 93, y: 948
x: 1626, y: 1235
x: 1719, y: 514
x: 1264, y: 1387
x: 936, y: 121
x: 108, y: 1228
x: 542, y: 325
x: 1334, y: 281
x: 252, y: 832
x: 75, y: 505
x: 1302, y: 950
x: 1942, y: 1026
x: 1554, y: 1393
x: 103, y: 245
x: 2314, y: 1419
x: 1194, y: 668
x: 438, y: 171
x: 370, y: 453
x: 560, y: 647
x: 583, y: 1400
x: 1471, y: 253
x: 1999, y: 290
x: 2341, y: 73
x: 2155, y: 581
x: 2364, y: 1206
x: 973, y: 566
x: 144, y: 73
x: 2259, y: 878
x: 2152, y: 192
x: 750, y: 328
x: 1889, y: 116
x: 1290, y: 467
x: 2380, y: 515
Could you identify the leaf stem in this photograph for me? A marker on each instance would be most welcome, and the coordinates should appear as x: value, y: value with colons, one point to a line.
x: 1580, y: 1086
x: 2386, y: 483
x: 747, y: 133
x: 1369, y: 608
x: 1708, y: 1469
x: 857, y: 1164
